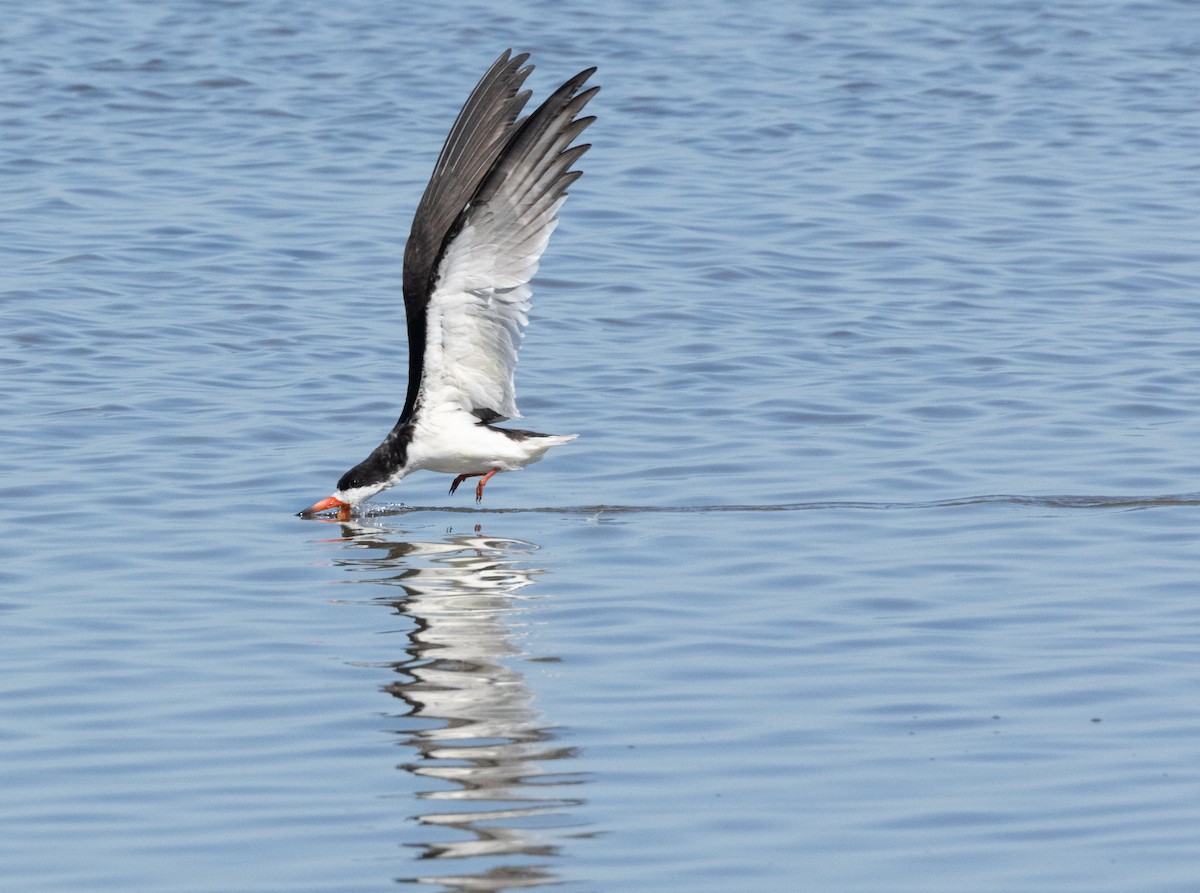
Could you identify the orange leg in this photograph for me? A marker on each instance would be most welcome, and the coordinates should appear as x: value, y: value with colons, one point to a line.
x: 483, y: 480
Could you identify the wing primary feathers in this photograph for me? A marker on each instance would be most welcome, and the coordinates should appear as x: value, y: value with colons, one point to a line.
x: 478, y: 136
x: 541, y: 139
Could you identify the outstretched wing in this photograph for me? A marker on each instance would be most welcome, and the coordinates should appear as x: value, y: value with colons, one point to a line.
x: 476, y: 311
x: 484, y: 126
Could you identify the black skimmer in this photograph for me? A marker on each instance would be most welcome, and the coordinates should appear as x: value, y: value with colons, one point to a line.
x: 479, y: 230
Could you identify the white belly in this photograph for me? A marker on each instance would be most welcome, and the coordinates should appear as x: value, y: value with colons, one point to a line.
x: 453, y: 441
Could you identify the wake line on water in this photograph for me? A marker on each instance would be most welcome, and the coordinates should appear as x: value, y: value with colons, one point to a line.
x: 1057, y: 502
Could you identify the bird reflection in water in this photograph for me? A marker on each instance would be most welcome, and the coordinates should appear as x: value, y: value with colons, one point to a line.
x: 498, y: 793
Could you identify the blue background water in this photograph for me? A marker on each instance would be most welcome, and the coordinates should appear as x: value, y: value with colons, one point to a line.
x: 849, y: 266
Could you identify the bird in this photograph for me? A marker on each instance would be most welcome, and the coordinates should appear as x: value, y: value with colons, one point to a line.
x: 477, y: 236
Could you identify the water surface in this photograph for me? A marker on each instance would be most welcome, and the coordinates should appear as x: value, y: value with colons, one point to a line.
x: 875, y: 562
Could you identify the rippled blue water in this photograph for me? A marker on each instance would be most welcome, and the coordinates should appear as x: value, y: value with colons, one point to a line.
x: 875, y: 566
